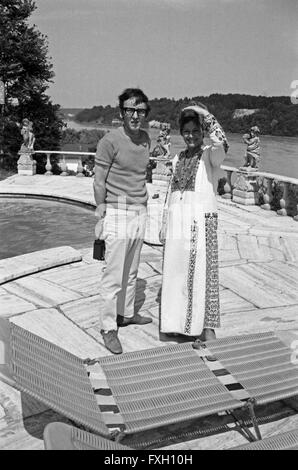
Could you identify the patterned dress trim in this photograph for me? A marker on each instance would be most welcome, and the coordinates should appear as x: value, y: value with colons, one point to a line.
x: 184, y: 177
x: 212, y: 313
x: 211, y: 126
x: 190, y: 275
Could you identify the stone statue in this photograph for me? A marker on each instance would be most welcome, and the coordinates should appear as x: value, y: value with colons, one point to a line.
x: 164, y: 139
x: 26, y: 164
x: 28, y: 136
x: 252, y: 158
x: 158, y: 150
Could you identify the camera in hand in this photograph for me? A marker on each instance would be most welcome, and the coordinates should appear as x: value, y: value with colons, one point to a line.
x: 99, y: 249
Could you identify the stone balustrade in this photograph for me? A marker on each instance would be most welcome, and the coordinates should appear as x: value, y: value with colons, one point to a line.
x: 270, y: 191
x: 68, y: 161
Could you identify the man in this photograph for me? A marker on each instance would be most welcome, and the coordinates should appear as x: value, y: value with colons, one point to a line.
x: 121, y: 196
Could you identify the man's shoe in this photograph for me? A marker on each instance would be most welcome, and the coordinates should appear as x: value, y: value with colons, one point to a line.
x: 111, y: 341
x: 135, y: 320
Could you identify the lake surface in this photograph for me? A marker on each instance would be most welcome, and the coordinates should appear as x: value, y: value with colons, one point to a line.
x: 279, y: 155
x: 28, y: 225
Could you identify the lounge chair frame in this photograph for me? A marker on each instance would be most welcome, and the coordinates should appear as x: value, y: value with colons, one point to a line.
x: 60, y: 436
x: 117, y: 396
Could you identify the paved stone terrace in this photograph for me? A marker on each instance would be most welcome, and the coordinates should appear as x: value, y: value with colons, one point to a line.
x: 56, y: 294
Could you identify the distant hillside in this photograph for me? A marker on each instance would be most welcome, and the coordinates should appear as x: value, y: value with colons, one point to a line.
x: 274, y: 115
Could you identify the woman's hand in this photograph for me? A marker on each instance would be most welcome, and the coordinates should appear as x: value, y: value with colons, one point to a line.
x: 162, y: 236
x: 197, y: 109
x: 163, y: 229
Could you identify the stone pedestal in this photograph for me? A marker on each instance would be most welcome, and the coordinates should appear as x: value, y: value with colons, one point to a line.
x: 26, y: 164
x: 161, y: 174
x: 245, y: 188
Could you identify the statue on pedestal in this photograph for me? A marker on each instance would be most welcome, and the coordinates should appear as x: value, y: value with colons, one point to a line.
x: 252, y: 158
x: 28, y: 136
x: 26, y: 164
x: 161, y: 170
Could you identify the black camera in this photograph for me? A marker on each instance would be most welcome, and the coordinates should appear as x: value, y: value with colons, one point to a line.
x: 99, y: 249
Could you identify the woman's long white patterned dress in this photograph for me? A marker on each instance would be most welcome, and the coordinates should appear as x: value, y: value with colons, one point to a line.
x: 190, y: 286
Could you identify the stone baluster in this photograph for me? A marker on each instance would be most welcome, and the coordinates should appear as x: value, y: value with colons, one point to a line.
x: 80, y: 168
x: 63, y: 167
x: 296, y: 198
x: 284, y: 202
x: 228, y: 186
x: 268, y: 195
x: 48, y: 165
x: 296, y: 216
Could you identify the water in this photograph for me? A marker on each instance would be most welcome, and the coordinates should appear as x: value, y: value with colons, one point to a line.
x: 279, y: 154
x: 27, y: 225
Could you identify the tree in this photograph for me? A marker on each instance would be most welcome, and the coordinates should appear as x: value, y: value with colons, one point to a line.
x: 26, y: 72
x: 274, y: 115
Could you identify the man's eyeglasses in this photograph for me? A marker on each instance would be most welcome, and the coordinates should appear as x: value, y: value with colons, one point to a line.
x: 130, y: 111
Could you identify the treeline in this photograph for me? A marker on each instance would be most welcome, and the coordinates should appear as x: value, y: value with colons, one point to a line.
x: 274, y: 115
x: 99, y: 114
x: 87, y: 139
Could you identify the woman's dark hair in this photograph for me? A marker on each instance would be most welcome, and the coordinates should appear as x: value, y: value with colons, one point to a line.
x: 134, y: 93
x: 188, y: 115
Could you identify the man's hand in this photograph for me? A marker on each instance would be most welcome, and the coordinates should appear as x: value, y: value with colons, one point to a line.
x: 100, y: 212
x: 99, y: 228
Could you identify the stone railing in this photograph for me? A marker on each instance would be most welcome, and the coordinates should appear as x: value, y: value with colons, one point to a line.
x: 66, y: 159
x: 270, y: 191
x: 160, y: 174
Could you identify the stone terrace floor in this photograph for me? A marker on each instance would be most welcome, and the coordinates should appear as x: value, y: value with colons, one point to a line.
x: 258, y: 270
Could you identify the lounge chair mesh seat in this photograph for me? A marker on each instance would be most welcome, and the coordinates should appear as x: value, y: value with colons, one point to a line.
x: 261, y: 363
x: 151, y: 388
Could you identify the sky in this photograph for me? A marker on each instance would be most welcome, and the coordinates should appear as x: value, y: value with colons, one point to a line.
x: 169, y: 48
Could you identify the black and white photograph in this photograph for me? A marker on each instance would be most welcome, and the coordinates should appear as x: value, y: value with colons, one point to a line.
x: 149, y: 227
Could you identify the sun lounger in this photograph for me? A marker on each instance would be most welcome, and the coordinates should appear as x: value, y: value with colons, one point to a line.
x: 60, y: 436
x: 117, y: 396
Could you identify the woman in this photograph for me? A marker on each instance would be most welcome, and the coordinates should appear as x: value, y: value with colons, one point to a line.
x: 190, y: 290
